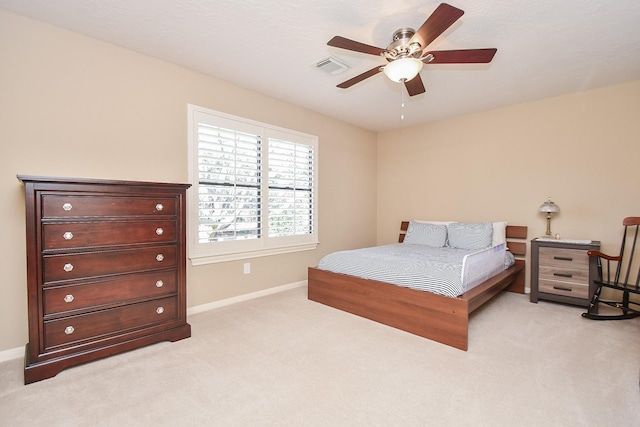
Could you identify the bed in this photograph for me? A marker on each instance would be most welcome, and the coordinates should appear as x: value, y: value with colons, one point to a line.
x: 438, y: 317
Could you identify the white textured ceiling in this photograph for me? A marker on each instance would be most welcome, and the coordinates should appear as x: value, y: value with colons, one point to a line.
x: 545, y: 48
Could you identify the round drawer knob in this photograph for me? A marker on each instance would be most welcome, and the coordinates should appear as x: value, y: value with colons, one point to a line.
x: 160, y: 310
x: 68, y: 267
x: 159, y: 231
x: 159, y: 207
x: 68, y: 298
x: 67, y: 207
x: 68, y: 235
x: 69, y: 330
x: 159, y: 284
x: 159, y: 257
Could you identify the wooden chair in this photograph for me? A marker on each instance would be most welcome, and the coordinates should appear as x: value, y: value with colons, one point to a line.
x: 616, y: 272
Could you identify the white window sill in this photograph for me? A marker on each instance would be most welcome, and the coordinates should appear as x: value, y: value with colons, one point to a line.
x: 211, y: 259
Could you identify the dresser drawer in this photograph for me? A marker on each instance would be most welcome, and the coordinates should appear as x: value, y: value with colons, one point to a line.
x: 89, y: 264
x: 574, y: 259
x: 569, y: 289
x: 62, y: 299
x: 63, y: 206
x: 72, y: 329
x: 94, y: 234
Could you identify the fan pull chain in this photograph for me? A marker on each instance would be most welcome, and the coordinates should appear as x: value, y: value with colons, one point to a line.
x: 401, y: 103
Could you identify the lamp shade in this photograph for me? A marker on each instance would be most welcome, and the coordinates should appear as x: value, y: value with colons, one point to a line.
x: 549, y: 207
x: 403, y: 69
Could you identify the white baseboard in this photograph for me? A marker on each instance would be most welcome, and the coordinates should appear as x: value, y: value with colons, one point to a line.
x: 245, y: 297
x: 18, y: 352
x: 12, y: 353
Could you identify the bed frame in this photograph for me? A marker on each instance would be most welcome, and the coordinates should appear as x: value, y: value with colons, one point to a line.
x: 437, y: 317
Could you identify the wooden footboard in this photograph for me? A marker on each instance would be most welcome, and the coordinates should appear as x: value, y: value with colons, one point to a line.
x: 425, y: 314
x: 436, y: 317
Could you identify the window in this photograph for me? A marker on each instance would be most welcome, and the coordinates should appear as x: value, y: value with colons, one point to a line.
x: 253, y: 188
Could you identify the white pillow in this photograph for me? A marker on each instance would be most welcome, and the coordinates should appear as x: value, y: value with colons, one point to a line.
x: 499, y: 233
x: 420, y: 233
x: 436, y: 222
x: 470, y: 235
x: 499, y: 230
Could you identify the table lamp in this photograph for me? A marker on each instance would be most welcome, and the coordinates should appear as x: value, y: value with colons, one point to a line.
x: 549, y: 208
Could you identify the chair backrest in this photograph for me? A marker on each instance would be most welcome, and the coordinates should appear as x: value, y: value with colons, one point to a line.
x: 627, y: 251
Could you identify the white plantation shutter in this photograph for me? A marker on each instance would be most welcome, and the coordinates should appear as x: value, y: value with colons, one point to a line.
x: 253, y: 188
x: 229, y: 182
x: 290, y: 204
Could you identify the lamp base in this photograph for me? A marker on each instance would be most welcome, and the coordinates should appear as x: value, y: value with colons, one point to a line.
x: 548, y: 233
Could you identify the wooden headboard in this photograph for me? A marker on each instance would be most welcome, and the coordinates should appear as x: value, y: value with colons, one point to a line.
x: 517, y: 248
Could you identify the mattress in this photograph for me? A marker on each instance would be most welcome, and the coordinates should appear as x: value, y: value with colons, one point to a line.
x: 445, y: 271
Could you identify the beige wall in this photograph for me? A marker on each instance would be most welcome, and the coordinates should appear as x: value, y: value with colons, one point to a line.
x: 74, y: 106
x: 583, y: 150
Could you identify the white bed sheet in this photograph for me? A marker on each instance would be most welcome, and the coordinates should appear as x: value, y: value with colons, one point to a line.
x: 445, y: 271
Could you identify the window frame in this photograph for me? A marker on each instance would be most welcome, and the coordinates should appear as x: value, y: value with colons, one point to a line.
x: 212, y: 252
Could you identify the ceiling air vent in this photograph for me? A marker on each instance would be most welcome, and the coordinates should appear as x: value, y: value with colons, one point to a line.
x: 331, y: 65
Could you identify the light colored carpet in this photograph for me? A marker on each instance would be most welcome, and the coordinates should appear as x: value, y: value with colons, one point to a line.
x: 282, y: 360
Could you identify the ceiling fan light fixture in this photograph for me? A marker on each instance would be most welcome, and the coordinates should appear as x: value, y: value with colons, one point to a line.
x: 403, y: 69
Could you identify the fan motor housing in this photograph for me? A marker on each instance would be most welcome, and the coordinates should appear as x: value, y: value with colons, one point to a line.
x: 400, y: 47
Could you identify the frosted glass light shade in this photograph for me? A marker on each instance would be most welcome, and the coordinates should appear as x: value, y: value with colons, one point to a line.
x: 403, y: 69
x: 549, y: 207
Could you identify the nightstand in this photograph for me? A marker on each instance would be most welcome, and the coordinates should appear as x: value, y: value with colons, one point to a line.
x: 561, y: 271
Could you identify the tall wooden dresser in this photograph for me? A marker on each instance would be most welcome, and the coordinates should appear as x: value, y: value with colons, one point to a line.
x: 106, y: 269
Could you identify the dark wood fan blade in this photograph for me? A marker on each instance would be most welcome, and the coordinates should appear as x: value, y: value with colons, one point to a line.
x: 442, y: 18
x: 359, y: 78
x: 348, y: 44
x: 462, y: 56
x: 415, y: 86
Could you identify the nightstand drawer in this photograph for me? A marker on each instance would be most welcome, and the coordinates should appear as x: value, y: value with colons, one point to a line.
x: 576, y: 290
x: 574, y: 259
x: 564, y: 274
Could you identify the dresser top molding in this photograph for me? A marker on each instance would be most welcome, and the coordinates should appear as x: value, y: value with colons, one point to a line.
x: 65, y: 180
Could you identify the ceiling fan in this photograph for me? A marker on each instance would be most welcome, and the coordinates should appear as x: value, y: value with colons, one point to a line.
x: 406, y: 54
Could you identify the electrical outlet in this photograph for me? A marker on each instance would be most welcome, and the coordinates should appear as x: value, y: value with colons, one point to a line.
x: 247, y: 267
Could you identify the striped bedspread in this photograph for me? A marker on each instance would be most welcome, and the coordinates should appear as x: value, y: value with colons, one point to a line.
x: 436, y: 270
